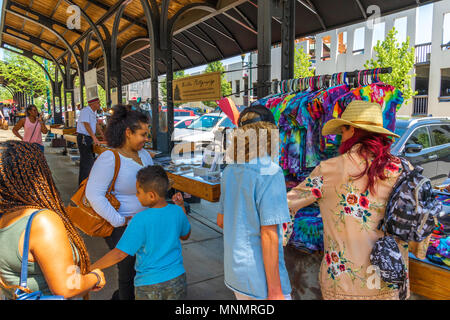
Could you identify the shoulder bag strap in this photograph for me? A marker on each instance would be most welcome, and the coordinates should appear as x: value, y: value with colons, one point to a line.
x: 116, y: 170
x: 26, y: 246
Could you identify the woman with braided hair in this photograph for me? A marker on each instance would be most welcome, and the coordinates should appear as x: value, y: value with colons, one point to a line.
x: 58, y: 259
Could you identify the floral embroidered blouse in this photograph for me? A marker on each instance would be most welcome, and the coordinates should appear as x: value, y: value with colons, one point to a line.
x: 350, y: 217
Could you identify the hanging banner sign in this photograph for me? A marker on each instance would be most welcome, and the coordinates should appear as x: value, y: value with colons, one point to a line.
x: 77, y: 95
x: 205, y: 87
x: 90, y: 80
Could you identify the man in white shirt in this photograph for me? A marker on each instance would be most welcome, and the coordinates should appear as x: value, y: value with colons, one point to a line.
x: 87, y: 126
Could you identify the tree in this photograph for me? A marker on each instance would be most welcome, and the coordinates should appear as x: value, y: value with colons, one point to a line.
x: 400, y: 57
x: 302, y: 64
x: 163, y: 86
x: 217, y: 66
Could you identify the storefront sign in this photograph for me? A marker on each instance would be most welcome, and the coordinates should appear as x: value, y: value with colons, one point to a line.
x: 205, y: 87
x: 90, y: 80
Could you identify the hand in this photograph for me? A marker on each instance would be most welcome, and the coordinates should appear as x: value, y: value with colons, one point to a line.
x: 95, y: 140
x: 178, y: 199
x: 102, y: 283
x: 127, y: 220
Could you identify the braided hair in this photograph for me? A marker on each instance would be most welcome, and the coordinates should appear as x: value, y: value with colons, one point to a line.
x: 26, y: 182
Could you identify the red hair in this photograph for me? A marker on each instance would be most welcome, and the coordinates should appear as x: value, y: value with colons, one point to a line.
x: 372, y: 146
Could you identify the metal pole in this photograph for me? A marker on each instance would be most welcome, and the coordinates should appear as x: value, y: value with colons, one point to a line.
x: 264, y: 47
x: 288, y: 40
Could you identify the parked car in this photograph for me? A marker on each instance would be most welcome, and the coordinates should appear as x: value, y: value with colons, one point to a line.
x: 425, y: 142
x: 180, y: 112
x: 202, y: 131
x: 183, y: 122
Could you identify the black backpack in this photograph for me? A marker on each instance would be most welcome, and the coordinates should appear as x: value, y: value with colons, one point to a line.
x: 412, y: 209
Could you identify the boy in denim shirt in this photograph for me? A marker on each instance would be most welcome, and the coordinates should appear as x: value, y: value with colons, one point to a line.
x: 153, y: 235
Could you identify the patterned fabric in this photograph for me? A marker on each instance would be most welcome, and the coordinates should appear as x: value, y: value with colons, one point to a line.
x: 350, y: 217
x: 407, y: 218
x: 387, y: 257
x: 174, y: 289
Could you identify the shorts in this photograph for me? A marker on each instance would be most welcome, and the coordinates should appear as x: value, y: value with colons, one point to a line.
x: 175, y: 289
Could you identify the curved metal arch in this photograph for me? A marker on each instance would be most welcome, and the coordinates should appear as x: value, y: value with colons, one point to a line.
x: 40, y: 47
x: 192, y: 6
x: 115, y: 33
x: 56, y: 33
x: 11, y: 90
x: 29, y: 55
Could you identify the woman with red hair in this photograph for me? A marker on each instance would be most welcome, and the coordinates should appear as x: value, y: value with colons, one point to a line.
x: 352, y: 191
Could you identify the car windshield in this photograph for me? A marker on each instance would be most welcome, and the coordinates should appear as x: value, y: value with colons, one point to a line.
x: 204, y: 123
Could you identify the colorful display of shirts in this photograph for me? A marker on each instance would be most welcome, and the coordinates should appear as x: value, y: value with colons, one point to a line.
x: 300, y: 117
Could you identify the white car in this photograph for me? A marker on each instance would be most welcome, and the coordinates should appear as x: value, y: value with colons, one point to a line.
x: 202, y: 130
x: 183, y: 122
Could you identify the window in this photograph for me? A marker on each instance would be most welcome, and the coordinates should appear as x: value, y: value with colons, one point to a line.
x: 238, y: 88
x: 359, y: 41
x: 445, y: 84
x: 401, y: 25
x: 342, y: 43
x: 183, y: 124
x: 424, y: 24
x: 446, y: 35
x: 378, y: 33
x: 420, y: 136
x: 441, y: 134
x: 227, y: 124
x: 326, y: 51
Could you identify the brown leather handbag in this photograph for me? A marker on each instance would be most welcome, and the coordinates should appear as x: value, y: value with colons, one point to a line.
x: 82, y: 214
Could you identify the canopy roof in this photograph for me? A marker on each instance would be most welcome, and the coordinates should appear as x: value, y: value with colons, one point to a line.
x: 220, y: 29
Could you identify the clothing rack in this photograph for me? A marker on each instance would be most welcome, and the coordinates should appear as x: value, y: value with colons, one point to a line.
x: 359, y: 77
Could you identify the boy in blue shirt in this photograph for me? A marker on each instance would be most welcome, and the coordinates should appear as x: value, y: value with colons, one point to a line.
x: 153, y: 235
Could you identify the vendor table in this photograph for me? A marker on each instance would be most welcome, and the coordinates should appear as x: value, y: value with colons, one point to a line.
x: 63, y: 131
x: 195, y: 186
x: 428, y: 279
x: 71, y: 138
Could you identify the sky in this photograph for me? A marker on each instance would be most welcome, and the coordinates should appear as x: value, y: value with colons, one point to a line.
x: 423, y: 33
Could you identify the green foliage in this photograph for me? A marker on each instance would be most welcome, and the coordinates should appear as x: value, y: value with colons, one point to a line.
x: 163, y: 87
x: 217, y: 66
x: 400, y: 57
x: 302, y: 64
x: 23, y: 75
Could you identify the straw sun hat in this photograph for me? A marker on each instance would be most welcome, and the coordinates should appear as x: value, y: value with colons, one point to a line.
x: 359, y: 114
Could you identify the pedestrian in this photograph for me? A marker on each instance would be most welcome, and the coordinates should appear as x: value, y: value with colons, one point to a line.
x: 33, y: 127
x: 352, y: 191
x: 6, y: 113
x: 57, y: 253
x: 153, y: 236
x: 127, y: 133
x: 87, y: 127
x: 253, y: 208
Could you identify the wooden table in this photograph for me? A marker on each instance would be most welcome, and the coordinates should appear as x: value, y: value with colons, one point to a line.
x: 71, y: 138
x: 429, y: 280
x: 195, y: 186
x: 63, y: 131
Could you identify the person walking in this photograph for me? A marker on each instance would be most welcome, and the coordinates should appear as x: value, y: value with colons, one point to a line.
x: 153, y: 236
x: 33, y: 127
x: 253, y: 208
x: 87, y: 127
x: 127, y: 133
x: 58, y: 262
x: 352, y: 202
x: 6, y: 112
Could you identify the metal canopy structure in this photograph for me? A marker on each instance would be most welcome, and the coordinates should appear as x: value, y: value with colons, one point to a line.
x: 132, y: 40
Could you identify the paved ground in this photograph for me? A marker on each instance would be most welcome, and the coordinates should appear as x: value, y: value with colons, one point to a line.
x: 203, y: 252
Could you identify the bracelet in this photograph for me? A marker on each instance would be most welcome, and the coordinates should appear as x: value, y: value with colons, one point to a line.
x: 99, y: 279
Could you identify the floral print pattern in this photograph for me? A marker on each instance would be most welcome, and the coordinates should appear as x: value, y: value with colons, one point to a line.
x: 337, y: 265
x: 315, y: 184
x: 357, y: 205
